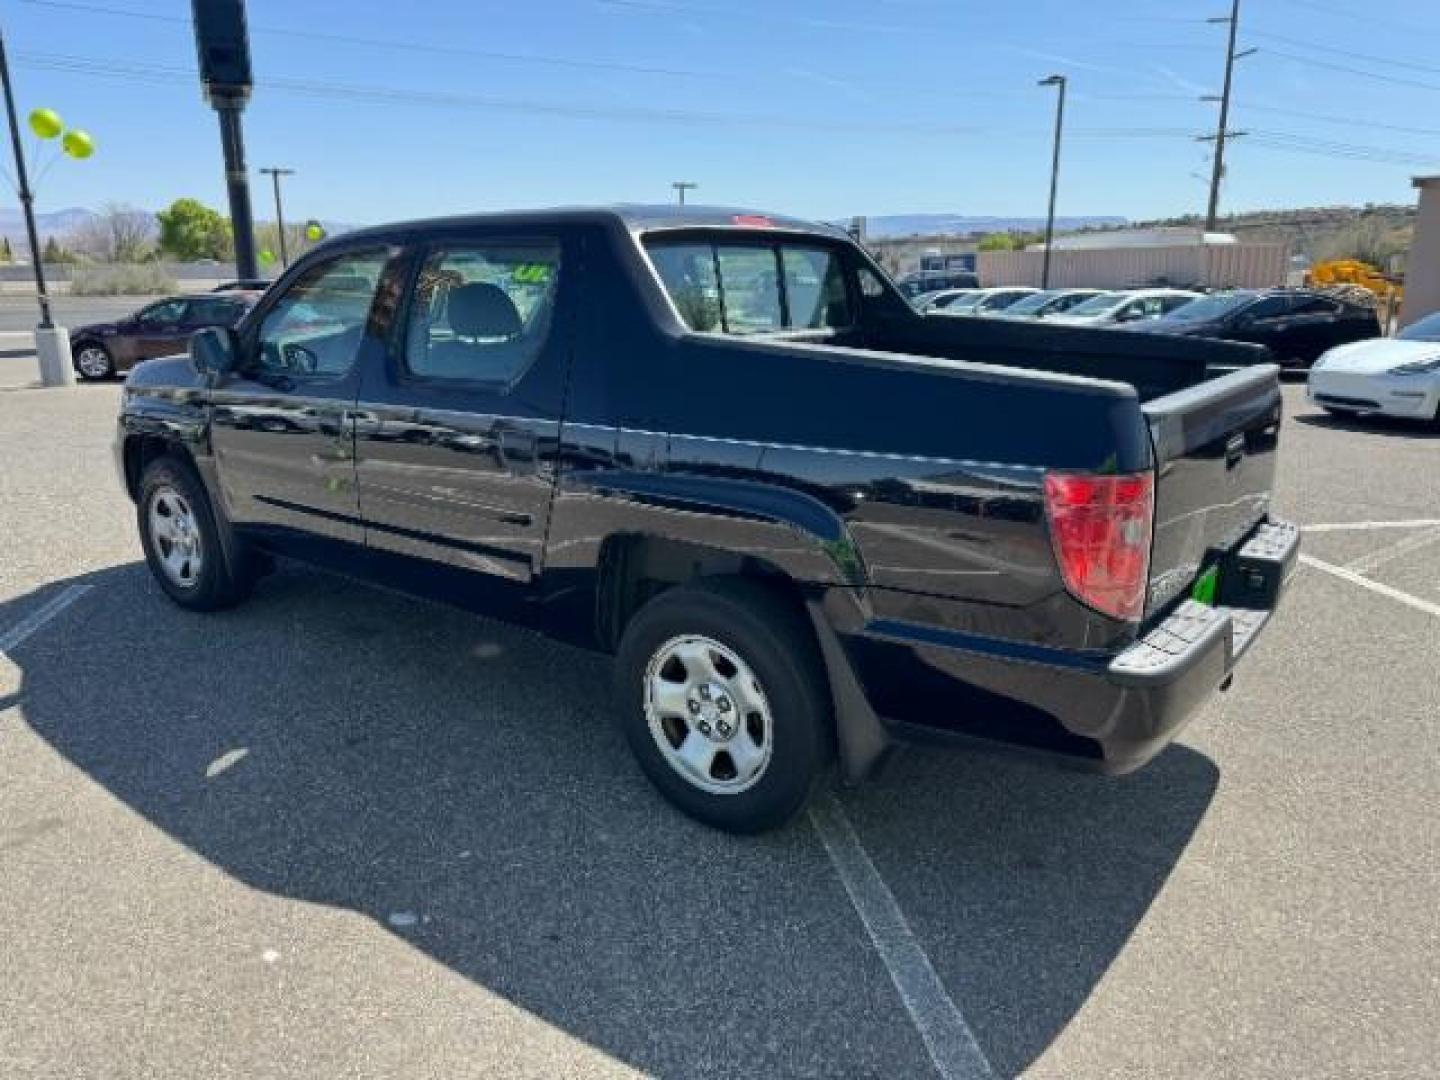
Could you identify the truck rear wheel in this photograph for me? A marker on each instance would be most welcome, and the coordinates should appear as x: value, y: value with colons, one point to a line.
x: 724, y: 703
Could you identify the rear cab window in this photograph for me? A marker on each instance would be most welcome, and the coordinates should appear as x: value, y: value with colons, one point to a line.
x: 746, y: 287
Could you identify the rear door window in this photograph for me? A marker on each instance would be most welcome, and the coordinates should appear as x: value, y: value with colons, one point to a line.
x: 481, y: 312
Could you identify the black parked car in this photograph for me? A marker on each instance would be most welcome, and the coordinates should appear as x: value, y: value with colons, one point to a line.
x: 1296, y: 325
x: 804, y: 517
x: 163, y: 328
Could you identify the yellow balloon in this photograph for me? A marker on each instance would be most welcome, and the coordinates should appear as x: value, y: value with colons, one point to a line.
x: 78, y: 144
x: 314, y: 231
x: 46, y: 123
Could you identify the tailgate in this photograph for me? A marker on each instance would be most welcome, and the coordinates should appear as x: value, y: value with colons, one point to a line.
x: 1215, y: 459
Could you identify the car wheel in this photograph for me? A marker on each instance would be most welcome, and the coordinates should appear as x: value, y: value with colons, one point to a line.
x: 723, y: 701
x: 93, y: 362
x: 182, y: 540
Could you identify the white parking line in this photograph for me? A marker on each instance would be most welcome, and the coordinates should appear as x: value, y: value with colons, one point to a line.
x: 1350, y: 526
x: 947, y: 1037
x: 36, y: 619
x: 1374, y: 586
x: 1391, y: 552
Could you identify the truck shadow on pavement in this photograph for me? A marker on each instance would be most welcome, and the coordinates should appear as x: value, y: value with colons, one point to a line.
x: 461, y: 783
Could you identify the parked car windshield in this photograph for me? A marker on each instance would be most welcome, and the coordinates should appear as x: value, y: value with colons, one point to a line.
x: 1099, y: 305
x: 1032, y: 304
x: 1215, y: 306
x: 1427, y: 329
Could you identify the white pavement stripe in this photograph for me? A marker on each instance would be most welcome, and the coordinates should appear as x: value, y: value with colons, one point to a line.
x: 1351, y: 526
x: 1376, y: 559
x: 947, y: 1037
x: 1374, y: 586
x: 36, y: 619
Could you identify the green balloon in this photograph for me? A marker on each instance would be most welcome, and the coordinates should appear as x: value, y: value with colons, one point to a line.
x: 78, y: 144
x: 267, y: 256
x: 46, y: 123
x: 314, y: 231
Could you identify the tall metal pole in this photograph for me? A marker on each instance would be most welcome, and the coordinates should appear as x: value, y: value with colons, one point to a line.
x: 275, y: 175
x: 1212, y: 215
x: 232, y: 142
x: 682, y: 186
x: 1062, y: 83
x: 27, y: 198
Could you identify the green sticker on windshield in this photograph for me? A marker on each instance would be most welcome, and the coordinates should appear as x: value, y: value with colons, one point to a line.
x: 532, y: 273
x: 1205, y: 586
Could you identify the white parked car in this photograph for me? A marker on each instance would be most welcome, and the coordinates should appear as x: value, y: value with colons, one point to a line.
x: 1397, y: 376
x: 1126, y: 306
x: 1048, y: 304
x: 985, y: 301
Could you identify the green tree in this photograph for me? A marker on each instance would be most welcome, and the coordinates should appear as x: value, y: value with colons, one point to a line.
x: 54, y: 253
x: 6, y: 255
x: 190, y: 230
x: 1000, y: 241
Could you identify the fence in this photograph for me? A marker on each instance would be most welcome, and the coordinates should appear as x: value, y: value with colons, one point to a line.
x: 1244, y: 266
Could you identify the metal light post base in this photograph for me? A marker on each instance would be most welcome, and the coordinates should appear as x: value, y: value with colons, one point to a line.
x: 52, y: 346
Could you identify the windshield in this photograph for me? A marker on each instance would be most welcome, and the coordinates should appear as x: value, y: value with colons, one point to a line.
x: 1031, y: 304
x: 1099, y: 305
x: 1427, y: 329
x: 1210, y: 307
x: 962, y: 303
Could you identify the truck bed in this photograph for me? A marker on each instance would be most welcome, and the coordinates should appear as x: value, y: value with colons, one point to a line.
x: 1154, y: 365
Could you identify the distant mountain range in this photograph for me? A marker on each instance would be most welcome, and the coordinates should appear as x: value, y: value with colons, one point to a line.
x: 54, y: 223
x: 900, y: 225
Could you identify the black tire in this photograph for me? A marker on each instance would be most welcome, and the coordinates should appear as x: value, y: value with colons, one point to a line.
x: 94, y: 374
x: 774, y: 639
x: 221, y: 577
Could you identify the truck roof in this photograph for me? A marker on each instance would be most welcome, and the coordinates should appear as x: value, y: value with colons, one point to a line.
x: 636, y: 218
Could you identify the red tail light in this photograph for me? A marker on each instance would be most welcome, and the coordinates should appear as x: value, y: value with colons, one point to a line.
x: 1101, y: 528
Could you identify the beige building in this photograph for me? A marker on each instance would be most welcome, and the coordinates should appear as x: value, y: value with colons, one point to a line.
x: 1216, y: 265
x: 1422, y: 269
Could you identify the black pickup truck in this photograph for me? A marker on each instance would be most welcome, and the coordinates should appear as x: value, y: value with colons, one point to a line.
x: 805, y: 518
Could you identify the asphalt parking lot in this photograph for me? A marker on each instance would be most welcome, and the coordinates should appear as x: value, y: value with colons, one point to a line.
x: 341, y: 833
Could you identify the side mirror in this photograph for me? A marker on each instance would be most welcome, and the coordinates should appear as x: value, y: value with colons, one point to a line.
x: 214, y: 350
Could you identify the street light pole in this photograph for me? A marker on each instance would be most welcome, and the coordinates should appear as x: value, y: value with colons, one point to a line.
x: 682, y: 186
x: 1061, y: 82
x: 275, y: 175
x: 27, y: 198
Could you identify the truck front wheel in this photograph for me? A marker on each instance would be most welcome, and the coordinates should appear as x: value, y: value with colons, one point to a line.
x: 724, y: 702
x: 182, y: 540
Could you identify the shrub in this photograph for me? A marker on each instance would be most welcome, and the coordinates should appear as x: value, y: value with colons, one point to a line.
x: 121, y: 279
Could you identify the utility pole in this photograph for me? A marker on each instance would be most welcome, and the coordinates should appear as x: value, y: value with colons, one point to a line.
x: 682, y: 186
x: 1061, y: 82
x: 1223, y: 132
x: 275, y: 175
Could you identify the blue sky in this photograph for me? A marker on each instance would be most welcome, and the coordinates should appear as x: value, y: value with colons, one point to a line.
x: 822, y: 108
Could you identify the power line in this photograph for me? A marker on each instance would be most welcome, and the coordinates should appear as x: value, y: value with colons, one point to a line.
x: 1359, y: 14
x: 1395, y: 79
x: 392, y: 44
x: 1339, y: 121
x: 1388, y: 61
